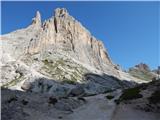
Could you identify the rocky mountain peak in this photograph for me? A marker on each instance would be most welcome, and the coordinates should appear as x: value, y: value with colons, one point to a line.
x: 142, y: 67
x: 142, y: 71
x: 60, y: 12
x: 62, y: 33
x: 37, y: 19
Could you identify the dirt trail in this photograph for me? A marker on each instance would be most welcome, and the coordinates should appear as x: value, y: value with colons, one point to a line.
x: 96, y: 108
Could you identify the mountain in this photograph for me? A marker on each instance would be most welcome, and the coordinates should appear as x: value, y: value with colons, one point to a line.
x: 142, y: 71
x: 59, y: 49
x: 60, y: 34
x: 57, y: 69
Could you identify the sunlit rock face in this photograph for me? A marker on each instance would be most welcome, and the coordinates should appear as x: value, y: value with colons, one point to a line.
x: 62, y: 33
x: 59, y: 49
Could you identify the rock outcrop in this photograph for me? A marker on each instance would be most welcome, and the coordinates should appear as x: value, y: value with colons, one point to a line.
x: 142, y: 67
x: 37, y: 19
x: 62, y: 33
x: 142, y: 71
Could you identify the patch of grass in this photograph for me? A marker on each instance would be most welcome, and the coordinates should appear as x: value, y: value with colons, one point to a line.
x: 63, y: 70
x: 155, y: 97
x: 47, y: 63
x: 69, y: 82
x: 129, y: 94
x: 144, y: 75
x: 109, y: 97
x: 13, y: 82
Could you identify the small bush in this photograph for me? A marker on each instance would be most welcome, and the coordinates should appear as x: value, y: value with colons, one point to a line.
x: 117, y: 101
x: 45, y: 61
x: 130, y: 94
x: 109, y: 97
x: 52, y: 100
x: 24, y: 102
x: 69, y: 82
x: 60, y: 117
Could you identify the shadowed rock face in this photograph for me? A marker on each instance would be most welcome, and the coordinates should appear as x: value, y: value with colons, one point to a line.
x: 18, y: 105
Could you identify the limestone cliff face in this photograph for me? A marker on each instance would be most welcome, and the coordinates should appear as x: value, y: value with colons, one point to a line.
x: 62, y: 33
x: 59, y: 35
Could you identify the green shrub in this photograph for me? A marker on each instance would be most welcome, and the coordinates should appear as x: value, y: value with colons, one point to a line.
x: 129, y: 94
x: 52, y: 100
x: 13, y: 82
x: 69, y: 81
x: 45, y: 61
x: 109, y: 97
x: 144, y: 75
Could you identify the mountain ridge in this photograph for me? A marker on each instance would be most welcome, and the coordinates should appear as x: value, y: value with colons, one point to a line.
x: 59, y: 48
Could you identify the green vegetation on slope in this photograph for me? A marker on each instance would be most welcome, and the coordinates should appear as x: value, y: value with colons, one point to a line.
x: 64, y: 70
x: 109, y: 97
x: 144, y: 75
x: 13, y: 82
x: 129, y: 94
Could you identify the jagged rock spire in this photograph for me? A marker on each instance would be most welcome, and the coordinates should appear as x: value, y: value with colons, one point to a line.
x: 37, y: 19
x: 60, y: 12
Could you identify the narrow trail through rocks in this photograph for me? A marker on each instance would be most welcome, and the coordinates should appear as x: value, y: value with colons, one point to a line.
x: 96, y: 108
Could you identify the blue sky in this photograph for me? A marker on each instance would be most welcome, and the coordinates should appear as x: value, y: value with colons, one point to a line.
x: 129, y: 30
